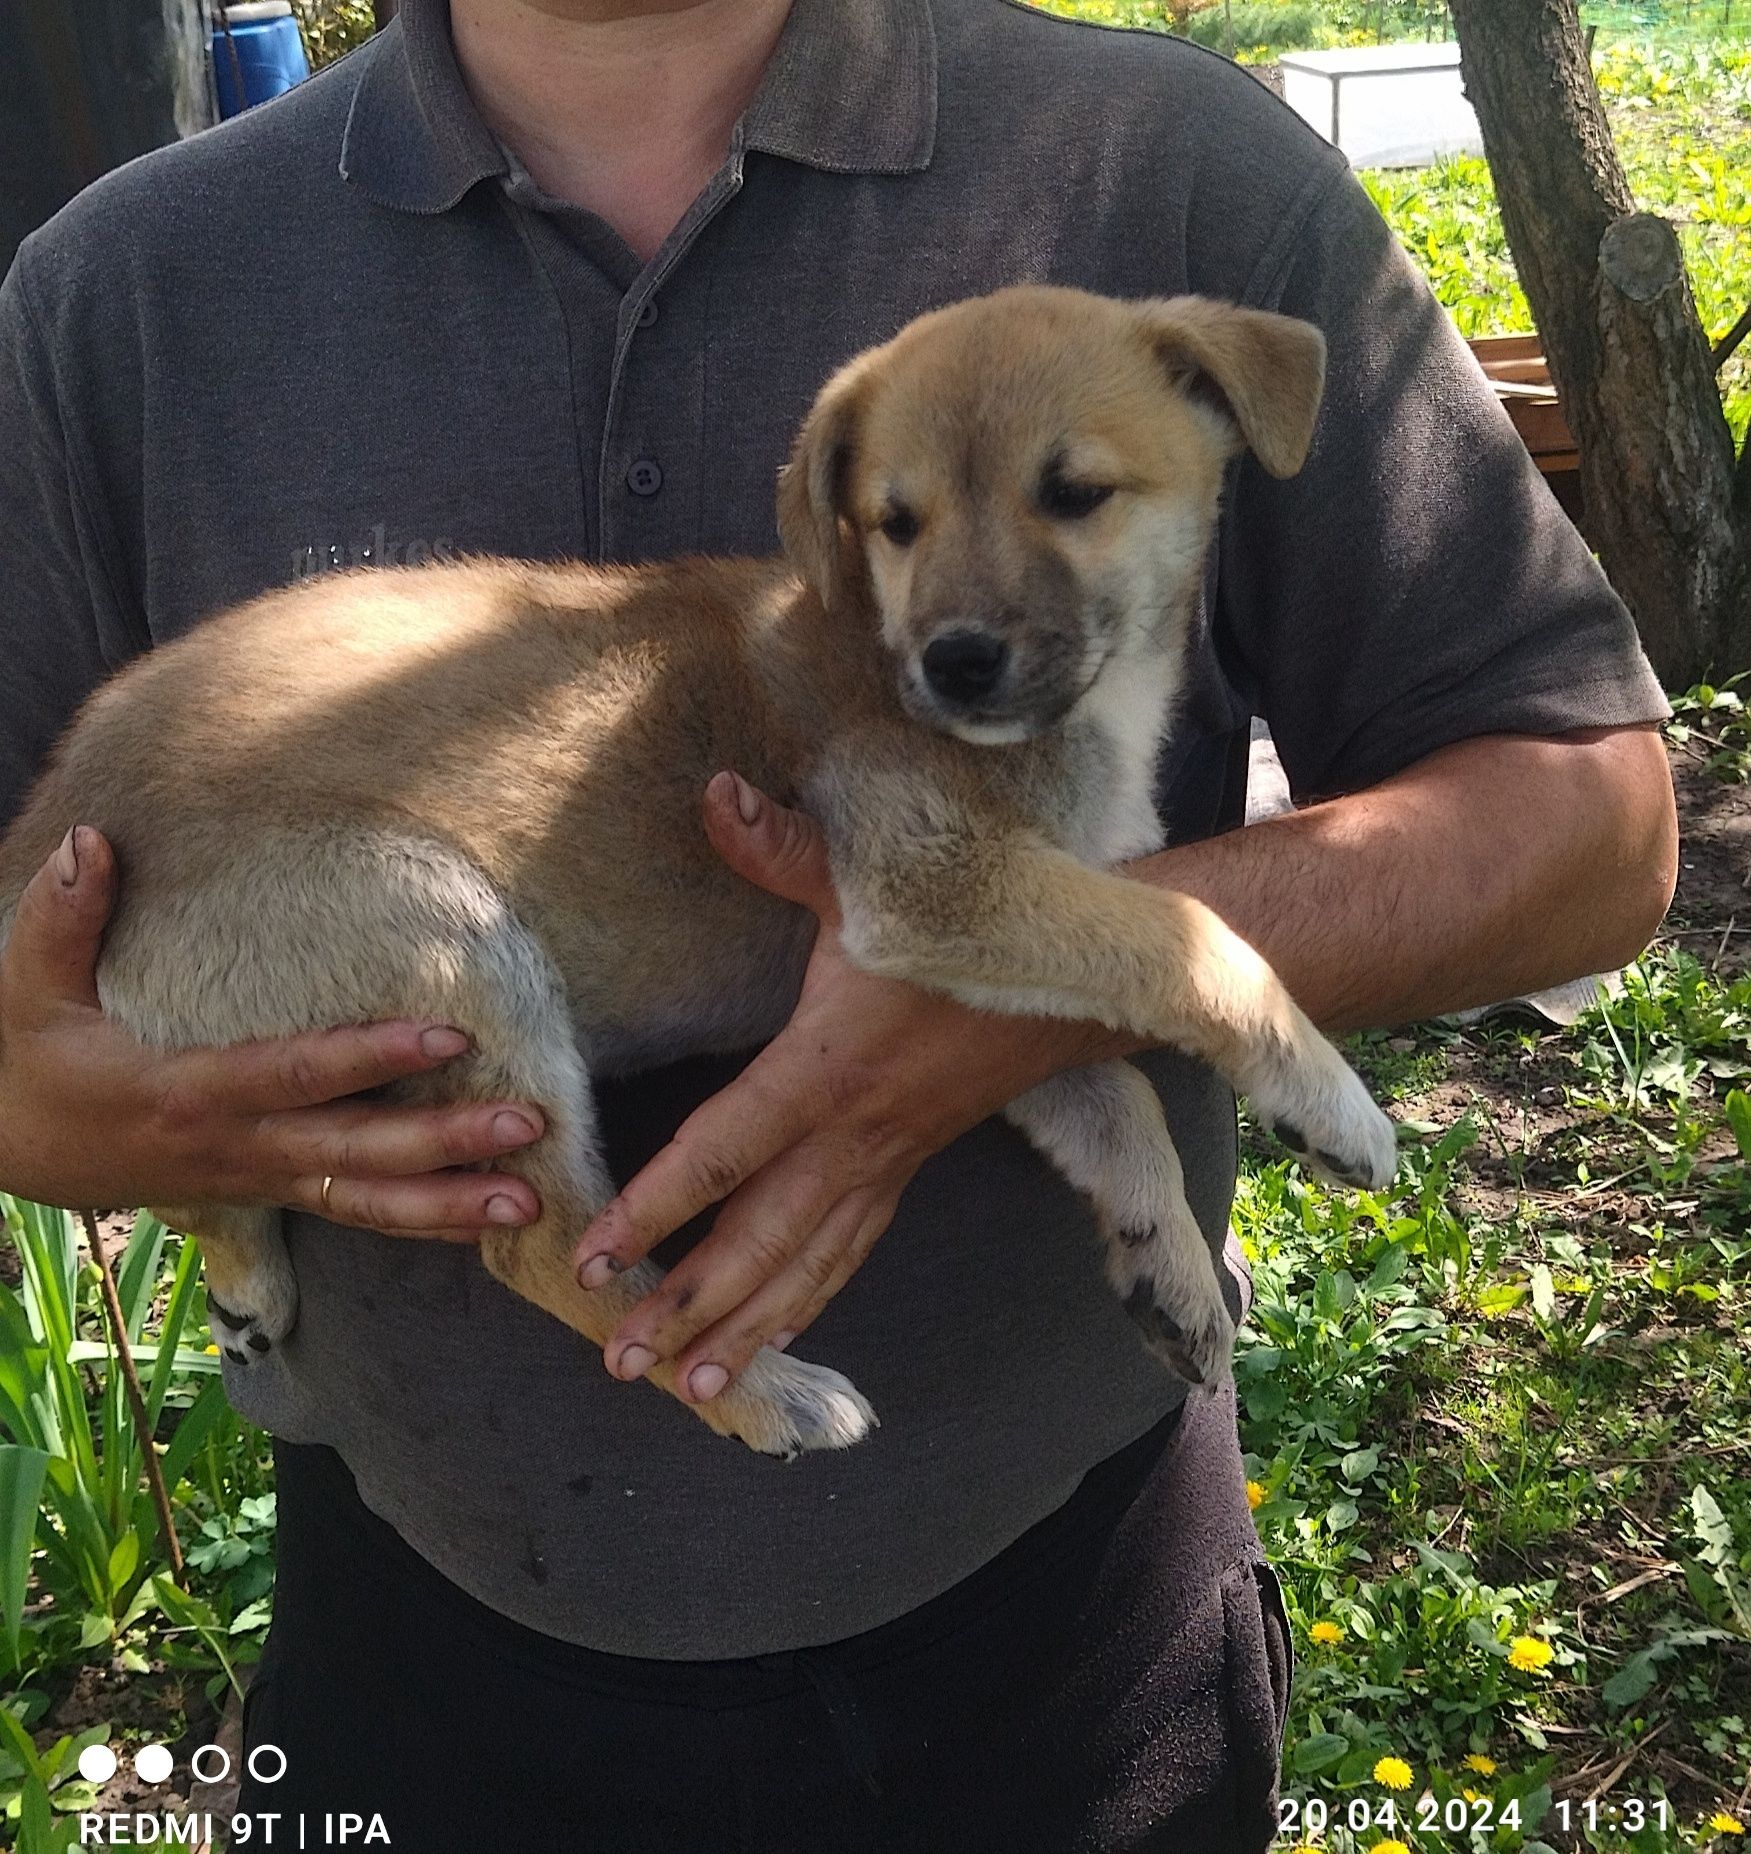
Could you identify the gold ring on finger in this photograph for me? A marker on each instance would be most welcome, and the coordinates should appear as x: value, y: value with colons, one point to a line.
x: 327, y: 1185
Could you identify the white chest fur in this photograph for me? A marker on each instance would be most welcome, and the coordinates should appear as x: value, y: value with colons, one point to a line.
x: 1123, y: 718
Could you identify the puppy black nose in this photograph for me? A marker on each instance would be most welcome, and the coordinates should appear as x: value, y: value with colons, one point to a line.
x: 962, y: 666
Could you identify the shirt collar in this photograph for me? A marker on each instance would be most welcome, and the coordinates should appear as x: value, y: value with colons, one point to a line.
x: 851, y: 89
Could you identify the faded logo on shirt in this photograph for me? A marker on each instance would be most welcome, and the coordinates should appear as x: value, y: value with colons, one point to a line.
x: 377, y: 548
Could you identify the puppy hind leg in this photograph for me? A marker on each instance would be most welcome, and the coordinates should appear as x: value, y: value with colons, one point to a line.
x: 1103, y: 1128
x: 524, y: 1051
x: 778, y: 1406
x: 252, y: 1294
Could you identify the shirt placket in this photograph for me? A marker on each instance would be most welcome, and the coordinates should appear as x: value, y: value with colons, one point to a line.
x: 652, y: 443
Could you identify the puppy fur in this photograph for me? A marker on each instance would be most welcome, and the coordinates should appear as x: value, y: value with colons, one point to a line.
x: 472, y: 791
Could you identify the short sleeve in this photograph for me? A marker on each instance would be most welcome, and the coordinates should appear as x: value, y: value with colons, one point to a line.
x: 62, y: 626
x: 1416, y: 583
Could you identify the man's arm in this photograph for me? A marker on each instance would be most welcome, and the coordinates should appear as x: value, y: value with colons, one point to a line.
x: 1497, y: 864
x: 1494, y: 867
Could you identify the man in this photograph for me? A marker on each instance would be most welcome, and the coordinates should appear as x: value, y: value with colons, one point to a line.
x: 560, y: 277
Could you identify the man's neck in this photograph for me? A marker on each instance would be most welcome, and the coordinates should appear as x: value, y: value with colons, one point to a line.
x: 621, y: 106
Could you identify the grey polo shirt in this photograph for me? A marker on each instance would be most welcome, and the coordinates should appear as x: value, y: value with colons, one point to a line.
x: 345, y: 329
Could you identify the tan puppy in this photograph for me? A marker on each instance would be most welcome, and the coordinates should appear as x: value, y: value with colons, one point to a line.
x: 472, y: 792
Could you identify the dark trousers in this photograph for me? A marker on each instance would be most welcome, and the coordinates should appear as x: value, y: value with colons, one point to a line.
x: 1115, y: 1680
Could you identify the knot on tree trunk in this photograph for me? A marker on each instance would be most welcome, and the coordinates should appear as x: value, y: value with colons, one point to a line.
x: 1640, y: 256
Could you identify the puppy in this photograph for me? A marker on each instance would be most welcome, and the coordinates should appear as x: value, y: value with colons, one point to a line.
x: 472, y: 791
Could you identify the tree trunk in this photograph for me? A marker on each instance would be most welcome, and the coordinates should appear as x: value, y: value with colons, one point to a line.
x: 1628, y: 355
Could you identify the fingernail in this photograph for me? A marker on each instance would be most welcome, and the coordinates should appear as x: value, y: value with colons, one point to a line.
x: 779, y: 1341
x: 512, y: 1129
x: 634, y: 1362
x: 705, y: 1381
x: 747, y: 799
x: 599, y: 1270
x: 503, y: 1210
x: 67, y: 859
x: 443, y: 1040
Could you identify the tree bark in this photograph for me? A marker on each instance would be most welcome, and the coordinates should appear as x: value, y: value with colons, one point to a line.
x: 1627, y: 352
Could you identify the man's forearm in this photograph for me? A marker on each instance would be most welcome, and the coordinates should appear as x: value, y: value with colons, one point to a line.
x: 1493, y: 867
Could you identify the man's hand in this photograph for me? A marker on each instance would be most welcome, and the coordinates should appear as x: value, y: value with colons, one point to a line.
x: 811, y: 1146
x: 90, y: 1117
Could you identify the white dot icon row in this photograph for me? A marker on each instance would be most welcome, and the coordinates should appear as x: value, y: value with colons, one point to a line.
x: 153, y: 1764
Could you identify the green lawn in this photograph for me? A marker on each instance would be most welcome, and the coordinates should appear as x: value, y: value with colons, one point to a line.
x: 1496, y: 1418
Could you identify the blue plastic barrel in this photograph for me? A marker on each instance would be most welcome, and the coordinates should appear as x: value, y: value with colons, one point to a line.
x: 263, y: 47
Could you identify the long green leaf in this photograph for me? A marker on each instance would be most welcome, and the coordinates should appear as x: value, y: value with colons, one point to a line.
x: 183, y: 1288
x: 84, y: 1526
x: 18, y: 1740
x: 1738, y: 1106
x: 124, y: 1561
x: 184, y: 1360
x: 137, y: 1272
x: 203, y: 1415
x: 51, y: 1267
x: 21, y: 1489
x: 24, y: 1411
x: 50, y: 1258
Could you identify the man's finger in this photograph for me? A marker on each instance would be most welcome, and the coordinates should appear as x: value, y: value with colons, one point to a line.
x: 720, y: 1145
x: 777, y: 849
x: 789, y: 1303
x: 279, y: 1073
x: 460, y: 1203
x: 366, y: 1139
x: 758, y: 1235
x: 51, y: 954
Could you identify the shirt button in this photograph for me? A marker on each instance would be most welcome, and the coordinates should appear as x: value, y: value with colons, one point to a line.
x: 644, y: 478
x: 647, y: 314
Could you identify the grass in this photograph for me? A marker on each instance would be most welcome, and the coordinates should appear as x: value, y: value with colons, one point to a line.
x: 1505, y: 1405
x: 89, y: 1612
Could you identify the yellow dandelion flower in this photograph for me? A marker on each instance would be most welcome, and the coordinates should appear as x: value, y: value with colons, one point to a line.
x: 1255, y: 1494
x: 212, y: 1351
x: 1529, y: 1654
x: 1724, y: 1824
x: 1394, y: 1772
x: 1484, y: 1766
x: 1327, y: 1634
x: 1389, y: 1847
x: 1471, y: 1795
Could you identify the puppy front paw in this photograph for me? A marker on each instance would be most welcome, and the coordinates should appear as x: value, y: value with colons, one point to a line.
x: 1333, y: 1126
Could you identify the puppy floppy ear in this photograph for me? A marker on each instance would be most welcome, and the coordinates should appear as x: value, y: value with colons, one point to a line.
x: 813, y: 487
x: 1264, y: 373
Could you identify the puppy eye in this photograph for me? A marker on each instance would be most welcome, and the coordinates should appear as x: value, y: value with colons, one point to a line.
x: 1068, y: 501
x: 900, y: 525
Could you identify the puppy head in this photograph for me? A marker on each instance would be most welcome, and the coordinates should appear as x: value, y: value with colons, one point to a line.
x: 1024, y: 487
